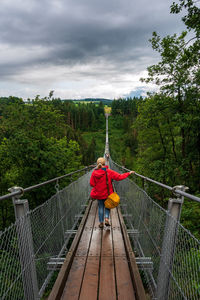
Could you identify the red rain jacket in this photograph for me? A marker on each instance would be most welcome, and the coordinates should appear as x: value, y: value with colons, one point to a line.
x: 98, y: 182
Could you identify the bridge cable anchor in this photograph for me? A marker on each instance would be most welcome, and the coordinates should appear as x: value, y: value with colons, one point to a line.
x: 14, y: 189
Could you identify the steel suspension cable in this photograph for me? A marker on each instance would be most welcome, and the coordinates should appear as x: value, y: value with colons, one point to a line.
x: 174, y: 190
x: 21, y: 190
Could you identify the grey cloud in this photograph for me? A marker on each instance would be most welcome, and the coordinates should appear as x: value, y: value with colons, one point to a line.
x: 76, y: 19
x: 81, y: 32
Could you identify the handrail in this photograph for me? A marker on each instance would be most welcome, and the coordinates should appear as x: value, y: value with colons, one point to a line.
x: 20, y: 191
x: 173, y: 189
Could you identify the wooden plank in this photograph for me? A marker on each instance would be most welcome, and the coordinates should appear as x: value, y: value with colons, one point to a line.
x: 118, y: 241
x: 96, y: 224
x: 100, y: 275
x: 125, y: 288
x: 107, y: 285
x: 91, y: 216
x: 84, y: 243
x: 135, y: 275
x: 74, y: 280
x: 83, y: 246
x: 107, y: 289
x: 124, y: 283
x: 114, y: 218
x: 62, y: 276
x: 107, y: 247
x: 95, y: 245
x: 89, y: 288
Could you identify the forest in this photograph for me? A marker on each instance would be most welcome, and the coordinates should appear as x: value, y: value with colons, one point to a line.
x: 162, y: 136
x: 42, y: 139
x: 158, y: 135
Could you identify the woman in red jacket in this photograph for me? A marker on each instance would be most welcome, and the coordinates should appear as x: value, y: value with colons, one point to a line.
x: 100, y: 190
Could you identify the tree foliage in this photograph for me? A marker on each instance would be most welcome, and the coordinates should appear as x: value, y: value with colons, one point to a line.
x: 125, y: 107
x: 192, y: 16
x: 40, y: 140
x: 168, y: 122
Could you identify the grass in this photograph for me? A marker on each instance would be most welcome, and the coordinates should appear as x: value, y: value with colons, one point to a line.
x: 107, y: 109
x: 86, y: 102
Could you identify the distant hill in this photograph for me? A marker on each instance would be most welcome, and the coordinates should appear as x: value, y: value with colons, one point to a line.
x: 95, y: 100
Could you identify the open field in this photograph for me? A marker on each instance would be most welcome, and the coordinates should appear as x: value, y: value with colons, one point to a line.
x: 86, y: 102
x: 107, y: 109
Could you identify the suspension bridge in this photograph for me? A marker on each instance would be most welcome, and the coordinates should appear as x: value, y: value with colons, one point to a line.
x: 145, y: 254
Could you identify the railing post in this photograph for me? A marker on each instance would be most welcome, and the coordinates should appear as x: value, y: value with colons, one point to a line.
x: 25, y: 244
x: 168, y: 245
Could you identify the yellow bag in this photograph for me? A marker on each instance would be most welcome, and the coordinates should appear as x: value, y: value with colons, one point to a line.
x: 112, y: 201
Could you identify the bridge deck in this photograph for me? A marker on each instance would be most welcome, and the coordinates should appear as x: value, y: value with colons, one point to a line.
x: 98, y: 266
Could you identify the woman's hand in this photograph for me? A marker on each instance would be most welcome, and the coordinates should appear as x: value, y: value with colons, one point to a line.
x: 132, y: 172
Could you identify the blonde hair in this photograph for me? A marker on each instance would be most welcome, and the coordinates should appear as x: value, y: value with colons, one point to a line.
x: 101, y: 162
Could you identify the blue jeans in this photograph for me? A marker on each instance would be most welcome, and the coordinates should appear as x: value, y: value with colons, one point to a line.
x: 101, y: 210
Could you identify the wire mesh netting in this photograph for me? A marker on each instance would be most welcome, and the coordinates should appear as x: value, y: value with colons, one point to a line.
x: 27, y: 246
x: 174, y: 251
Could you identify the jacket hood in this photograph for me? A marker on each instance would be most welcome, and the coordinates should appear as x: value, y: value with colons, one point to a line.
x: 98, y: 173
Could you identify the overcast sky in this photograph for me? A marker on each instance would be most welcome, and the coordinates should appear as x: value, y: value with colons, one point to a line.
x: 80, y: 48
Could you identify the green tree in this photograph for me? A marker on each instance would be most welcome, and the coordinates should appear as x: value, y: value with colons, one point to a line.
x: 168, y: 123
x: 177, y: 74
x: 192, y: 17
x: 156, y: 136
x: 35, y: 145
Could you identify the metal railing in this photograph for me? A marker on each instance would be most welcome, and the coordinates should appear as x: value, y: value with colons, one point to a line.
x: 20, y: 191
x: 41, y: 234
x: 37, y: 236
x: 175, y: 190
x: 158, y: 234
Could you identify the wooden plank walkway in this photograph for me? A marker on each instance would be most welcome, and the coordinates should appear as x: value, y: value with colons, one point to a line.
x: 99, y: 267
